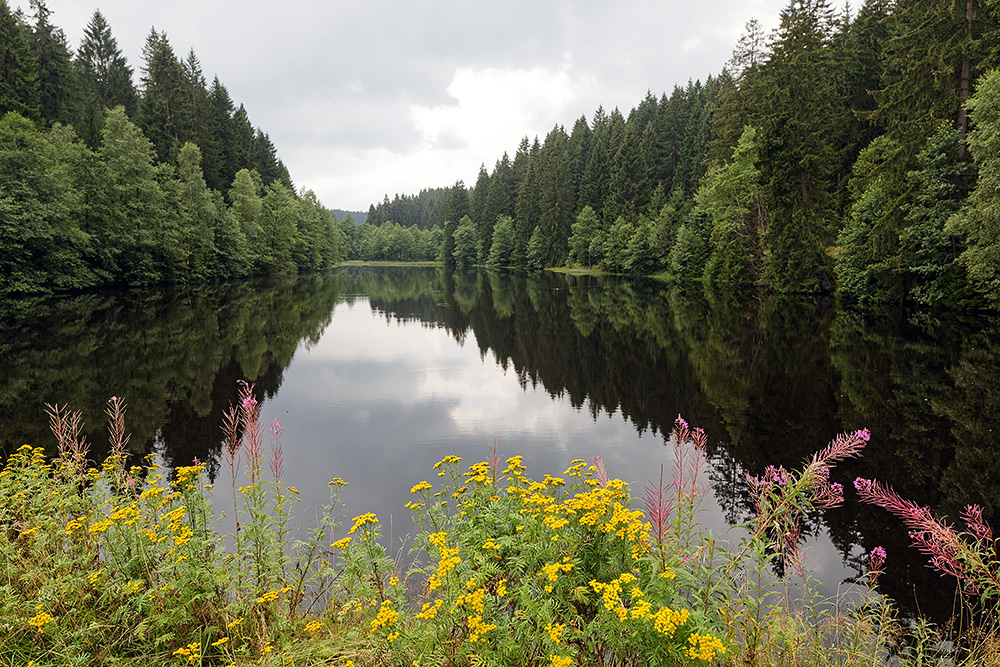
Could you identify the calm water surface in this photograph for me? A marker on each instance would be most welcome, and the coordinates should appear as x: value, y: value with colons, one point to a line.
x: 376, y: 374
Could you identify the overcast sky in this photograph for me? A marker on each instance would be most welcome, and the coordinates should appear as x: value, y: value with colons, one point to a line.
x: 372, y: 97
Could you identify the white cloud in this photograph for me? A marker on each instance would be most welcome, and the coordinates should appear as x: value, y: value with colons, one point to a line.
x: 493, y: 108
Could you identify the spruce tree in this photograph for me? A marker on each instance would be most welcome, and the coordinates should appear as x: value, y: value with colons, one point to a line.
x: 18, y: 69
x: 799, y: 115
x: 555, y: 196
x: 56, y: 83
x: 164, y: 110
x: 105, y: 79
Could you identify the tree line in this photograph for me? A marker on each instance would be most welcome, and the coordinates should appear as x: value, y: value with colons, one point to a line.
x: 103, y: 182
x: 854, y: 152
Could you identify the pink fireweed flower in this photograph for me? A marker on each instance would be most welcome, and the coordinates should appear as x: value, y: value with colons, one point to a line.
x: 965, y: 556
x: 781, y: 497
x: 876, y: 560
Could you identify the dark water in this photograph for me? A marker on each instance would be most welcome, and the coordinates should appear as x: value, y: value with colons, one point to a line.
x: 376, y: 374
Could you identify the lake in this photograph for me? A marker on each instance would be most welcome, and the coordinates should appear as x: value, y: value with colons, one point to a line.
x: 376, y: 373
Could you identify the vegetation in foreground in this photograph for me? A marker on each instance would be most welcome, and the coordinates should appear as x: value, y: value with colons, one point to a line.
x: 120, y: 565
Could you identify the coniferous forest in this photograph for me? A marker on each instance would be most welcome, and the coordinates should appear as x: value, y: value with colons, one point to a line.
x: 104, y: 183
x: 848, y: 151
x: 855, y: 152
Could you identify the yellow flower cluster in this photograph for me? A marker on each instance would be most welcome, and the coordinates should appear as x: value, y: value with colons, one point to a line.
x: 666, y: 620
x: 421, y: 486
x: 362, y: 520
x: 429, y: 611
x: 74, y: 524
x: 183, y: 536
x: 477, y: 627
x: 611, y: 593
x: 502, y: 588
x: 552, y: 570
x: 187, y: 475
x: 561, y: 660
x: 475, y: 600
x: 386, y: 616
x: 450, y: 459
x: 514, y: 467
x: 555, y: 631
x: 271, y: 596
x: 101, y: 526
x: 94, y: 576
x: 449, y: 560
x: 127, y: 515
x: 192, y: 652
x: 479, y: 473
x: 313, y: 626
x: 704, y: 647
x: 40, y: 619
x: 341, y: 544
x: 132, y: 587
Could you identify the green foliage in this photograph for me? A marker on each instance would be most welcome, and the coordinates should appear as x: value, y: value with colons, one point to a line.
x: 41, y: 245
x: 502, y: 247
x: 928, y: 248
x: 18, y: 69
x: 977, y: 221
x: 105, y: 79
x: 466, y: 250
x: 586, y: 226
x: 733, y: 199
x: 552, y: 571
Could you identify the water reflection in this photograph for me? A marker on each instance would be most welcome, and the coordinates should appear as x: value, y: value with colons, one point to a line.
x: 376, y: 374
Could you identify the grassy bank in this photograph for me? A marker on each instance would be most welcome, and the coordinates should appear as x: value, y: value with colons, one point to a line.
x: 120, y: 565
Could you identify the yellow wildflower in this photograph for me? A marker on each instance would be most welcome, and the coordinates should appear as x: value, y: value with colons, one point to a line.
x: 362, y: 520
x: 704, y: 647
x: 40, y: 619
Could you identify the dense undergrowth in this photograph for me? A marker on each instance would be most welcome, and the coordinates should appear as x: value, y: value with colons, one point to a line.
x: 120, y: 565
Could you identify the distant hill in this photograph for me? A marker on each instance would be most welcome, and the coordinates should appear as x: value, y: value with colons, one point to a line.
x: 357, y: 216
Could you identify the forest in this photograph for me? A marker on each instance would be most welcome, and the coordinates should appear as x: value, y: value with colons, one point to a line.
x: 103, y: 182
x: 845, y: 151
x: 848, y: 152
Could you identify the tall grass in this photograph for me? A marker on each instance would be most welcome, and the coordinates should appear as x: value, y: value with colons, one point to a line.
x: 121, y: 564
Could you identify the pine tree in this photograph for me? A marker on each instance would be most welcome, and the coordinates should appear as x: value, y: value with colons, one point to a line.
x: 738, y: 94
x: 628, y: 178
x: 220, y: 172
x: 18, y: 69
x: 935, y: 53
x: 500, y: 198
x: 555, y: 191
x: 800, y: 113
x: 164, y: 110
x: 583, y: 231
x: 732, y: 197
x: 502, y: 245
x: 105, y: 79
x: 56, y: 84
x: 527, y: 211
x: 246, y: 208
